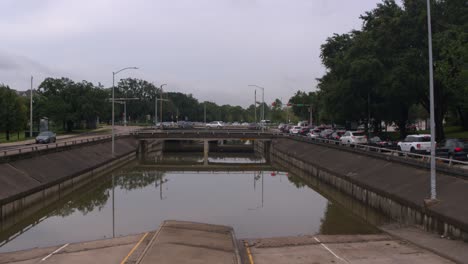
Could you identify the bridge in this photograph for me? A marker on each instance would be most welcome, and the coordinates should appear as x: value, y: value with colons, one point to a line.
x: 205, y: 135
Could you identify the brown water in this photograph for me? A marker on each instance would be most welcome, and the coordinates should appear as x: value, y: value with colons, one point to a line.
x: 136, y: 199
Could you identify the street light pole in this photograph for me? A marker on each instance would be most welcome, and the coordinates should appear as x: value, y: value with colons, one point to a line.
x: 431, y: 92
x: 263, y: 99
x: 113, y: 97
x: 255, y: 106
x: 156, y: 106
x: 161, y: 112
x: 31, y: 110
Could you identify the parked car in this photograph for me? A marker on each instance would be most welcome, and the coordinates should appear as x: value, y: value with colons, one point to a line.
x: 337, y: 134
x: 215, y: 124
x: 46, y: 137
x: 416, y: 144
x: 281, y: 126
x: 453, y: 148
x: 184, y: 124
x: 378, y: 142
x: 354, y: 137
x: 295, y: 130
x: 314, y: 133
x: 304, y: 130
x: 287, y: 128
x: 254, y: 126
x: 326, y: 133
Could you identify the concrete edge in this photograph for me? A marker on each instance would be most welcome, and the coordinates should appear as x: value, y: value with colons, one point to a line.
x: 433, y: 250
x: 236, y: 247
x: 150, y: 243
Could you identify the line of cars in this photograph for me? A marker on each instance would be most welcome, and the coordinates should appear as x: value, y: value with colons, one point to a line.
x: 451, y: 148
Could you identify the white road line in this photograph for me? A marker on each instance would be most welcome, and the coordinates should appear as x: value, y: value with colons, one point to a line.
x: 331, y: 251
x: 56, y: 251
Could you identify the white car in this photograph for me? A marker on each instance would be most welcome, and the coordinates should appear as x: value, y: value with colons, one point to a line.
x: 416, y: 144
x: 354, y: 137
x: 295, y: 130
x: 215, y: 124
x: 314, y: 133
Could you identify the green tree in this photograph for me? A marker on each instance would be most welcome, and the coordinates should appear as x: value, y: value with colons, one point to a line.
x: 12, y: 111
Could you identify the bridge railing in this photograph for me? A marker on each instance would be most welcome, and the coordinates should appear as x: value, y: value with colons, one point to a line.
x: 391, y: 152
x: 202, y: 133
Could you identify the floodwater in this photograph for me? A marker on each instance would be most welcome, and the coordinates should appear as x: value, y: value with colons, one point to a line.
x: 135, y: 199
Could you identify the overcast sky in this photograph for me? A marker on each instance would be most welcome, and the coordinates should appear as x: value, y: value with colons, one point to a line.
x: 210, y: 48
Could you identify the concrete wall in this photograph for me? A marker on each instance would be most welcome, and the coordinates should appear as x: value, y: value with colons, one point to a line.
x: 38, y: 181
x: 395, y: 189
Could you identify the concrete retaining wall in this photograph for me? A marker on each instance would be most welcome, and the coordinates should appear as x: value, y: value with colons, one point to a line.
x: 39, y: 181
x: 395, y: 189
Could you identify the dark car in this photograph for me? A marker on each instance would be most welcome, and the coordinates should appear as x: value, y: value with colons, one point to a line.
x: 378, y: 142
x: 185, y: 124
x: 453, y: 148
x: 46, y: 137
x: 254, y: 126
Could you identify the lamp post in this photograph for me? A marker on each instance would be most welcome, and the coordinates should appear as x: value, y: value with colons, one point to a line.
x: 113, y: 93
x: 263, y: 99
x: 156, y: 106
x: 431, y: 92
x: 161, y: 114
x: 31, y: 110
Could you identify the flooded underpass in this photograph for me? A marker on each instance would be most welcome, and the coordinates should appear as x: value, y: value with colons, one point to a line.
x: 239, y: 189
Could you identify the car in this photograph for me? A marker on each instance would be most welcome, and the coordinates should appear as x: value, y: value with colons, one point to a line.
x: 295, y: 130
x: 46, y: 137
x: 314, y: 133
x: 326, y: 133
x: 305, y: 130
x: 416, y: 144
x: 286, y: 128
x: 378, y: 142
x: 353, y: 137
x: 337, y: 134
x: 215, y: 124
x: 453, y: 148
x: 184, y: 124
x: 280, y: 126
x: 254, y: 126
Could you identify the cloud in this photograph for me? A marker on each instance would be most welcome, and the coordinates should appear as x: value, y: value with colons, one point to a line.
x: 210, y: 48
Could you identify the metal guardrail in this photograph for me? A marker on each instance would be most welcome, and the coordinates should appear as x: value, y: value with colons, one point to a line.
x: 392, y: 152
x: 22, y: 150
x: 220, y: 133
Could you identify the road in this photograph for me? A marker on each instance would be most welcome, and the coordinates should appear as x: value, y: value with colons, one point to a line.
x: 28, y: 145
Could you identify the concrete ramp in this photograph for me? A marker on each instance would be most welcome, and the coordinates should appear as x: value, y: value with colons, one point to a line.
x: 188, y: 242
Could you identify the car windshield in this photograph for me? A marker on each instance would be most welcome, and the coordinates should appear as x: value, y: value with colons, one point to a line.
x: 44, y: 134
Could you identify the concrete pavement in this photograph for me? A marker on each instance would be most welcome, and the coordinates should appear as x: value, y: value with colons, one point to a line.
x: 320, y: 249
x: 187, y: 242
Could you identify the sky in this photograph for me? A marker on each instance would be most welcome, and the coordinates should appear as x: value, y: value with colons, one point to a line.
x: 212, y: 49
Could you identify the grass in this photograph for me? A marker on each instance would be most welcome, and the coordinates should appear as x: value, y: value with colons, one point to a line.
x: 13, y: 137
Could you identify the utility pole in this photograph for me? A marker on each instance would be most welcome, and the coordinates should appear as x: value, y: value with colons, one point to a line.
x: 161, y: 109
x: 156, y: 106
x: 31, y: 110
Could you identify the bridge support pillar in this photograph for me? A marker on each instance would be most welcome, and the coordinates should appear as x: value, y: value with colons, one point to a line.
x: 206, y: 149
x: 141, y: 152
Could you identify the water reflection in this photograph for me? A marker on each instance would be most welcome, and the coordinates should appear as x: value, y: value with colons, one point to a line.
x: 134, y: 199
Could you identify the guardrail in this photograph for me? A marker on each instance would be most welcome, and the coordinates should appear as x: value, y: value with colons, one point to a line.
x: 201, y: 133
x: 36, y: 147
x: 392, y: 152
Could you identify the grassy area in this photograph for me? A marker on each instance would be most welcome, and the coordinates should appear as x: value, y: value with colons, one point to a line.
x: 451, y: 132
x: 14, y: 137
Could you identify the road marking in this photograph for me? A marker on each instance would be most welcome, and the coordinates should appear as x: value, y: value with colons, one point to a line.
x: 56, y: 251
x: 249, y: 254
x: 331, y: 251
x: 133, y: 249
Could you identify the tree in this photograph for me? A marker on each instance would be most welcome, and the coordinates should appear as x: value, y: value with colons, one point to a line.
x: 12, y: 111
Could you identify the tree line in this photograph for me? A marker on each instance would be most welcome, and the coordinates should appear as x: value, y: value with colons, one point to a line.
x: 380, y: 73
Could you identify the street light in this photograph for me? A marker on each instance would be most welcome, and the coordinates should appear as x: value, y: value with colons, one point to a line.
x: 113, y: 88
x: 263, y: 99
x: 431, y: 107
x: 156, y: 106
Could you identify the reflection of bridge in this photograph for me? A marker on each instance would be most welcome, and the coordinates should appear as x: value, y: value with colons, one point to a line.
x: 241, y: 167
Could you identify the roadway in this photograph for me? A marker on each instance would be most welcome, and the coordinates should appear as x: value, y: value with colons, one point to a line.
x: 30, y: 145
